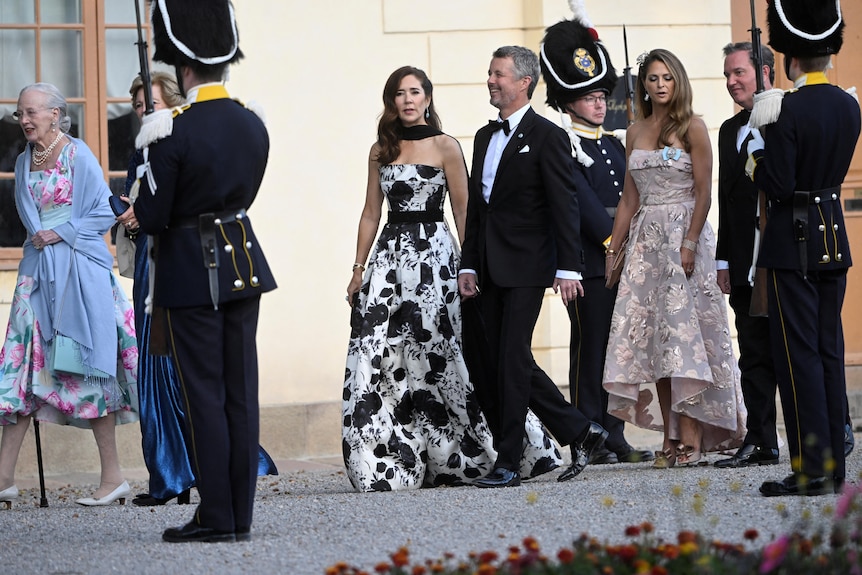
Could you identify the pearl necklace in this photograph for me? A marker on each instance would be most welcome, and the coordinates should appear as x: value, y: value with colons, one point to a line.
x: 40, y: 158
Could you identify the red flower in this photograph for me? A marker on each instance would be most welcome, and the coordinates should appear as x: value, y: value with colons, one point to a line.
x: 751, y: 534
x: 382, y: 567
x: 530, y: 544
x: 686, y: 537
x: 401, y: 557
x: 647, y: 527
x: 488, y: 557
x: 633, y: 531
x: 658, y: 570
x: 565, y: 555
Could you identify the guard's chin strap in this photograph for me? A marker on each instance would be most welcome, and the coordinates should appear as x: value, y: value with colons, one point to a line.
x: 179, y: 74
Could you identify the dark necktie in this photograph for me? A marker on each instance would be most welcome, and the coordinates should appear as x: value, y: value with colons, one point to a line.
x: 495, y: 125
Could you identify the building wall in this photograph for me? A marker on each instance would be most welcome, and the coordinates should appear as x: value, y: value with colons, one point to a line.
x: 318, y: 69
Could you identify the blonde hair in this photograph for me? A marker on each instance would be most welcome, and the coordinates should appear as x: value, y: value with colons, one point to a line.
x: 167, y: 83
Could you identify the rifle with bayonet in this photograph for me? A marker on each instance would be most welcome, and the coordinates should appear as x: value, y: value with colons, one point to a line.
x: 759, y: 305
x: 144, y: 59
x: 627, y: 77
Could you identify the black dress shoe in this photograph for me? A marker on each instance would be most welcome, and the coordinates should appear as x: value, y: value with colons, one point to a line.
x: 799, y: 484
x: 631, y: 455
x: 147, y: 500
x: 583, y: 450
x: 849, y: 440
x: 749, y: 455
x: 500, y: 477
x: 193, y: 532
x: 603, y: 456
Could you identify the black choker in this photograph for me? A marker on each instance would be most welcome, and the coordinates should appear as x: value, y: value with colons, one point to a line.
x: 419, y: 132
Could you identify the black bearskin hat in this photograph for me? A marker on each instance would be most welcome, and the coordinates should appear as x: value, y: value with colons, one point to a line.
x: 194, y: 32
x: 805, y: 28
x: 574, y: 62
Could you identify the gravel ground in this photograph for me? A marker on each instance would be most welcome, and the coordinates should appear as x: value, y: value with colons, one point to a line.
x: 308, y: 518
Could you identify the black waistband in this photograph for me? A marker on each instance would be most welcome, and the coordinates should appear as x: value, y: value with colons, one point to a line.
x: 219, y: 218
x: 415, y: 217
x: 824, y: 195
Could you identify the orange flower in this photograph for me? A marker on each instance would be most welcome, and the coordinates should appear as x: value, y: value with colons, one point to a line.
x: 642, y: 566
x: 401, y: 557
x: 565, y: 555
x: 686, y: 537
x: 418, y: 570
x: 530, y: 544
x: 647, y: 527
x: 669, y: 551
x: 486, y: 570
x: 382, y: 567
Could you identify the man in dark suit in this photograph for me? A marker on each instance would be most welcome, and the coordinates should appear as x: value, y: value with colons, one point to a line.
x: 522, y: 236
x: 801, y: 166
x: 209, y: 269
x: 734, y: 253
x: 579, y: 87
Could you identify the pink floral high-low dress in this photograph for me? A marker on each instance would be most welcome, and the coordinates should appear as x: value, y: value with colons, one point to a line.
x: 667, y: 325
x: 27, y: 384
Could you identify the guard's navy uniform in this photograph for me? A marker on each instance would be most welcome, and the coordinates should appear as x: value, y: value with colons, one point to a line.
x: 806, y: 157
x: 209, y: 275
x: 599, y: 186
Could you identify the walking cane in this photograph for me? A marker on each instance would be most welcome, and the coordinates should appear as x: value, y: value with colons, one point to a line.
x: 43, y: 500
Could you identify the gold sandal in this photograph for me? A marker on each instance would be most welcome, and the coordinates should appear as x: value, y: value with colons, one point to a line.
x: 687, y: 455
x: 664, y: 459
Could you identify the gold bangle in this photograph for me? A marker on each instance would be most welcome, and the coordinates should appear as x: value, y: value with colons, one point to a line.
x: 358, y: 266
x: 610, y: 252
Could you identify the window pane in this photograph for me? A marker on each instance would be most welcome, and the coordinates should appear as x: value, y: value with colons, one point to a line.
x: 122, y: 65
x: 12, y: 232
x: 123, y: 11
x: 76, y: 113
x: 62, y: 62
x: 60, y: 11
x: 17, y: 61
x: 121, y: 139
x: 11, y: 143
x: 17, y: 12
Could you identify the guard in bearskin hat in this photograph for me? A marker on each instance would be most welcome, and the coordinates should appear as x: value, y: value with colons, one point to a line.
x: 205, y: 162
x: 580, y: 77
x: 800, y: 163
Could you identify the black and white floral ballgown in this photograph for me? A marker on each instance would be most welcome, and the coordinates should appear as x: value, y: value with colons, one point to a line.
x: 410, y: 417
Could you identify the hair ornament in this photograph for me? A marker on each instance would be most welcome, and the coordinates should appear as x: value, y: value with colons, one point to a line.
x: 642, y: 58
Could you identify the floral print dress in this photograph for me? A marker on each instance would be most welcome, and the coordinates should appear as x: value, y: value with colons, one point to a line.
x: 666, y: 325
x: 28, y: 386
x: 409, y: 414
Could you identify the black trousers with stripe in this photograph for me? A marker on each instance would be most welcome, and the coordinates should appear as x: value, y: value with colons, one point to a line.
x: 591, y: 326
x: 215, y: 353
x: 808, y: 354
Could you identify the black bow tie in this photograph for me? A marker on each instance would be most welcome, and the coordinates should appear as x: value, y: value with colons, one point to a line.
x: 495, y: 125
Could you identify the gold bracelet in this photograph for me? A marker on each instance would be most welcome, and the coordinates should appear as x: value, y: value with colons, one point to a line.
x: 610, y: 252
x: 689, y: 244
x: 358, y: 266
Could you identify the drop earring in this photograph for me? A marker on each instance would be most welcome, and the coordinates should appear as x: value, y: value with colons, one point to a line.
x: 53, y: 126
x: 646, y: 97
x: 427, y: 114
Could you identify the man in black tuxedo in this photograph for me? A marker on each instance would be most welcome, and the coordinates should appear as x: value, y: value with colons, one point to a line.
x: 522, y: 236
x: 734, y: 253
x: 801, y: 163
x: 579, y: 87
x: 210, y: 271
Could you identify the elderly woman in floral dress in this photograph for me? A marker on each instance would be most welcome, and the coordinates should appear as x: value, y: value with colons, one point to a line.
x: 65, y: 292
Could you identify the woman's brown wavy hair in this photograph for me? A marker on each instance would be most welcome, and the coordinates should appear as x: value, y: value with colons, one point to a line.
x: 680, y: 111
x: 389, y: 128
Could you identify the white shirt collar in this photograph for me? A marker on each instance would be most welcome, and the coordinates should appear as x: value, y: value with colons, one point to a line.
x: 516, y: 117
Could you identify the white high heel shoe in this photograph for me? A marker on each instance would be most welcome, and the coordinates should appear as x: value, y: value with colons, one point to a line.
x: 9, y: 495
x: 120, y: 493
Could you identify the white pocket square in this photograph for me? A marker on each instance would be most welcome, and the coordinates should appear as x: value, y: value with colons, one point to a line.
x: 525, y: 149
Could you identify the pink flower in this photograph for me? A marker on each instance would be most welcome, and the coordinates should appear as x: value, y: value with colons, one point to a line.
x: 130, y: 358
x: 845, y: 502
x: 17, y: 355
x: 773, y: 554
x: 129, y: 322
x: 63, y: 192
x: 88, y: 410
x: 38, y: 356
